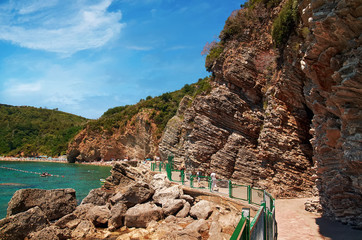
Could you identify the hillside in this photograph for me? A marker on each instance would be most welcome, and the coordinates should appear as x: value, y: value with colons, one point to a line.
x: 30, y: 131
x: 131, y: 131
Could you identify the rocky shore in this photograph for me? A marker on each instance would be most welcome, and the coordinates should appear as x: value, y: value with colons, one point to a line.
x: 132, y: 204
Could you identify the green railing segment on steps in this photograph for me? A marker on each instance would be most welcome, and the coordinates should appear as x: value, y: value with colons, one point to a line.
x: 263, y: 226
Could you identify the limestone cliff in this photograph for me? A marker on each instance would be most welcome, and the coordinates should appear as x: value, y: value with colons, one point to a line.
x: 332, y: 64
x: 131, y: 131
x: 289, y: 118
x: 138, y: 139
x: 253, y: 127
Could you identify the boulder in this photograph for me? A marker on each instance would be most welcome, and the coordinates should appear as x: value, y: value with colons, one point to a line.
x: 97, y: 197
x: 160, y: 181
x: 122, y: 175
x: 193, y: 230
x: 84, y: 229
x: 72, y: 220
x: 184, y: 211
x: 18, y: 226
x: 51, y: 232
x: 201, y: 210
x: 140, y: 192
x: 54, y: 203
x: 117, y: 216
x: 187, y: 198
x: 99, y: 216
x: 198, y: 226
x: 68, y: 221
x: 215, y: 232
x: 171, y: 206
x: 141, y: 214
x: 169, y: 193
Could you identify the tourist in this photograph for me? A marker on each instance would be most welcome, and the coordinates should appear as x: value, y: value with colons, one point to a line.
x: 198, y: 177
x: 213, y: 181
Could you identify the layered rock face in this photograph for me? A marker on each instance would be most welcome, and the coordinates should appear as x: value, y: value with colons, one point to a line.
x: 136, y: 140
x: 282, y: 120
x: 253, y: 126
x: 332, y: 64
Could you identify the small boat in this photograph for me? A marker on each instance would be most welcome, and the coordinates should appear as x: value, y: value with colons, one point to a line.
x: 102, y: 180
x: 45, y: 174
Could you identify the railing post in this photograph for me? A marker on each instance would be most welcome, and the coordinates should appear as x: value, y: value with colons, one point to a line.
x: 182, y: 177
x: 230, y: 190
x: 249, y: 194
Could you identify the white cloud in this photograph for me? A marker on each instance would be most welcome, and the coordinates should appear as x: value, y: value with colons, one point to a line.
x: 57, y: 86
x: 140, y: 48
x: 59, y: 26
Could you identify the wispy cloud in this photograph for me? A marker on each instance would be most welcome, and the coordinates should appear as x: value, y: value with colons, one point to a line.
x: 59, y: 26
x: 140, y: 48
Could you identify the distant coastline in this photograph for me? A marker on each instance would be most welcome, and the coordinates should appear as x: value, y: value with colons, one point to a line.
x: 55, y: 160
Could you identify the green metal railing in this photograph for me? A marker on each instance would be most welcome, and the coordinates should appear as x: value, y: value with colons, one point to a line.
x: 200, y: 182
x: 263, y: 226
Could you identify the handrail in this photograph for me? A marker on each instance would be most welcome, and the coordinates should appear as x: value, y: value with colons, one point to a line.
x: 243, y: 230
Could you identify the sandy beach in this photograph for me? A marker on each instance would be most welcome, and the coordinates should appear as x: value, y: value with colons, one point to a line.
x: 55, y: 160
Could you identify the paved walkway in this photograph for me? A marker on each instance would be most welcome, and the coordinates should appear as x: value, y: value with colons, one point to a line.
x: 296, y: 223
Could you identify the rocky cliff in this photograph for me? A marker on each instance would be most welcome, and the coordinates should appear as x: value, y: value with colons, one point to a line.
x: 138, y: 139
x: 332, y: 64
x: 131, y: 131
x: 288, y: 118
x: 254, y: 126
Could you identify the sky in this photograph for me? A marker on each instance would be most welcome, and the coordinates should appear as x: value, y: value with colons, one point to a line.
x: 86, y: 56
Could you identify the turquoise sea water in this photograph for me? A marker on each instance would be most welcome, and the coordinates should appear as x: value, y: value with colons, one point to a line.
x: 80, y: 177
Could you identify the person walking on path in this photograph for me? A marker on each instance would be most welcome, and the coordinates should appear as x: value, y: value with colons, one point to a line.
x: 198, y: 177
x: 213, y: 181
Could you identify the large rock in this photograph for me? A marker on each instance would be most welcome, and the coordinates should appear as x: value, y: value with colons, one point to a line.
x: 117, y: 216
x: 160, y: 181
x: 51, y: 232
x: 171, y: 206
x: 97, y: 197
x: 163, y: 195
x: 72, y: 220
x: 194, y: 230
x: 141, y: 214
x: 99, y: 216
x: 18, y: 226
x: 137, y: 193
x: 54, y: 203
x: 201, y: 210
x: 85, y: 228
x: 184, y: 212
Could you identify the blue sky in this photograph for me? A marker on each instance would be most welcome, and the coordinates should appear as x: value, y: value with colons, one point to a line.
x: 86, y: 56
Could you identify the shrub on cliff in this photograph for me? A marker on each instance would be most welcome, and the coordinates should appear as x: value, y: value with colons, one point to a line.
x: 285, y: 23
x: 213, y: 54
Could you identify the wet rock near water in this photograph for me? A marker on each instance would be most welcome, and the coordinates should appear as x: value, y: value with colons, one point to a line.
x: 54, y: 203
x: 132, y: 210
x: 19, y: 225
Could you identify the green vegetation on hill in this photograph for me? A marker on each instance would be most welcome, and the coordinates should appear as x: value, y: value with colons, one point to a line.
x: 36, y: 131
x: 163, y: 108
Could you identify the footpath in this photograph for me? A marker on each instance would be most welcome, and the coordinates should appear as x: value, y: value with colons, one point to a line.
x: 296, y: 223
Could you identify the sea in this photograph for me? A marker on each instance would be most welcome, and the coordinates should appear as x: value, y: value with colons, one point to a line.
x: 15, y: 175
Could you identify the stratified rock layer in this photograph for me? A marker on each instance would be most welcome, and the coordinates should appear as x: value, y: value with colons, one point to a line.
x: 54, y: 203
x: 283, y: 118
x: 136, y: 140
x: 332, y: 63
x: 253, y: 127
